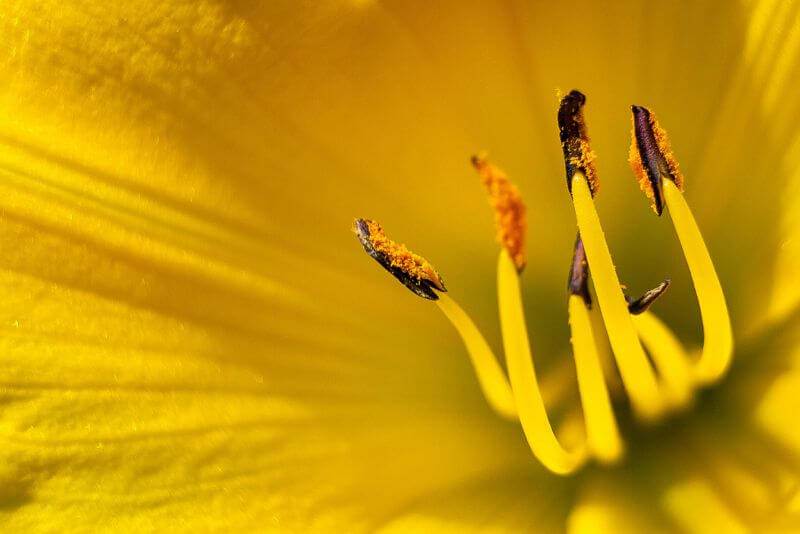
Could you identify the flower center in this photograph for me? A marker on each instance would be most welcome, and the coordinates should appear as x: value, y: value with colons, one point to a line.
x: 657, y: 373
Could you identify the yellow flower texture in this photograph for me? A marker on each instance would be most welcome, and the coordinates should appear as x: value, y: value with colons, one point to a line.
x: 190, y: 340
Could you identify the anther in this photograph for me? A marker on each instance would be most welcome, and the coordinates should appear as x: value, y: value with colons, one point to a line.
x: 579, y: 274
x: 651, y: 157
x: 508, y: 207
x: 578, y: 155
x: 652, y: 161
x: 412, y: 270
x: 632, y: 362
x: 641, y: 305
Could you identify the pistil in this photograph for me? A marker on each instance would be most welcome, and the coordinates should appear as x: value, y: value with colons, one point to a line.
x: 491, y: 377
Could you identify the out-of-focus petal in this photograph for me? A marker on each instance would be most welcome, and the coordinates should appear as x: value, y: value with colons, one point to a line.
x: 607, y: 505
x: 175, y: 351
x: 510, y: 502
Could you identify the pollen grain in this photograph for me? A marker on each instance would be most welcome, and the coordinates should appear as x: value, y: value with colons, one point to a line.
x: 509, y: 209
x: 399, y: 256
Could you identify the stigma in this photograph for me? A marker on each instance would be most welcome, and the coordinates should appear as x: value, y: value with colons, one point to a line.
x: 411, y: 270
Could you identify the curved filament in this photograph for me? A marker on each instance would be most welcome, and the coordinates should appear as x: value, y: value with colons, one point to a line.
x: 634, y: 368
x: 491, y: 377
x: 668, y: 356
x: 530, y: 405
x: 602, y: 434
x: 717, y: 332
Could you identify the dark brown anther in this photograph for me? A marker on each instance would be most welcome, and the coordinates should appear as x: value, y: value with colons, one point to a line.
x: 578, y: 155
x: 640, y: 305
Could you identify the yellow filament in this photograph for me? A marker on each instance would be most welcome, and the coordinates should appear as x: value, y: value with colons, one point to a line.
x: 530, y: 406
x: 634, y: 368
x: 601, y: 426
x: 669, y: 357
x: 718, y: 336
x: 491, y: 377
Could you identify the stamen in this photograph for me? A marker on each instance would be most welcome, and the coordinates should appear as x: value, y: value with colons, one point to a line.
x: 640, y: 305
x: 578, y: 155
x: 530, y: 406
x: 634, y: 367
x: 601, y: 429
x: 508, y: 207
x: 651, y: 157
x: 412, y: 270
x: 602, y: 434
x: 718, y: 335
x: 492, y: 379
x: 420, y: 277
x: 628, y: 322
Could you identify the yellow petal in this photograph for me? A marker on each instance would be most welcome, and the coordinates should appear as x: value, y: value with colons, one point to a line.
x: 125, y: 418
x: 187, y: 343
x: 694, y: 506
x: 528, y: 501
x: 176, y: 351
x: 606, y: 505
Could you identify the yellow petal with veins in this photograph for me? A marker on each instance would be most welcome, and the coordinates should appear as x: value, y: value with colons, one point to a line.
x: 184, y: 344
x: 169, y: 356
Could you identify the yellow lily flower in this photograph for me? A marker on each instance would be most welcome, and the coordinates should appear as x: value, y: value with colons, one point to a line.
x: 190, y: 340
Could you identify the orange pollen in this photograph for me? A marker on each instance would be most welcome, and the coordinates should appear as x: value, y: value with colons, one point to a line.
x: 509, y: 209
x: 413, y: 265
x: 666, y: 150
x: 586, y: 161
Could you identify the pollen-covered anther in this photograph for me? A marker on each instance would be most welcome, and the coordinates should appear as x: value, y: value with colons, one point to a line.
x: 640, y: 305
x: 411, y: 270
x: 651, y: 157
x: 509, y: 209
x: 578, y: 154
